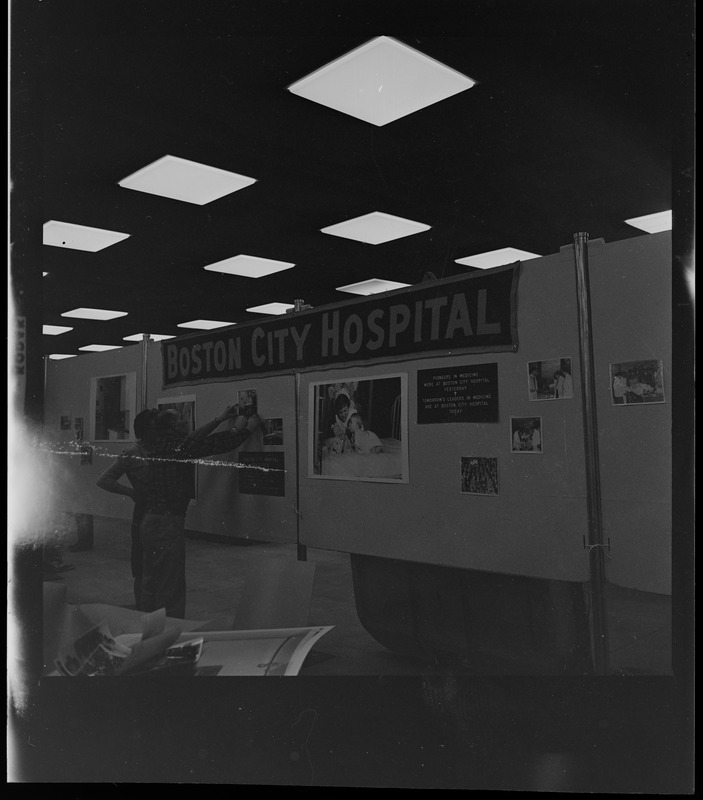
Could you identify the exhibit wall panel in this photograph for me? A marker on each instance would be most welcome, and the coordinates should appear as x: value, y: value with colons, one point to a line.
x: 256, y: 509
x: 242, y: 494
x: 535, y: 524
x: 70, y: 399
x: 631, y: 300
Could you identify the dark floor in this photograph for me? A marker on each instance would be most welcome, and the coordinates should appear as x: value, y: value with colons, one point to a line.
x: 639, y: 628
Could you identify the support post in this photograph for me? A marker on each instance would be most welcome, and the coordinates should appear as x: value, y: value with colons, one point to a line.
x: 145, y: 355
x: 590, y: 430
x: 301, y: 549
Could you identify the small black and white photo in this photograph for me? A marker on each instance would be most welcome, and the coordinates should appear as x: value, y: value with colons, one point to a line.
x: 637, y: 382
x: 479, y: 475
x: 246, y: 400
x: 550, y: 379
x: 526, y: 434
x: 272, y: 430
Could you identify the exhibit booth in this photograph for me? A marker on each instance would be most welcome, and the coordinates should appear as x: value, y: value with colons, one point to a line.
x: 523, y: 418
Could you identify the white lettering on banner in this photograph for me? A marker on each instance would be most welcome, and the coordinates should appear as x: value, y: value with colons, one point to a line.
x: 269, y: 342
x: 352, y: 346
x: 207, y: 349
x: 171, y: 361
x: 255, y: 357
x: 300, y: 340
x: 374, y: 344
x: 435, y: 305
x: 220, y: 355
x: 235, y: 354
x: 280, y: 336
x: 418, y: 322
x: 400, y: 319
x: 484, y: 327
x: 330, y: 332
x: 184, y: 361
x: 197, y: 361
x: 459, y: 317
x: 434, y: 318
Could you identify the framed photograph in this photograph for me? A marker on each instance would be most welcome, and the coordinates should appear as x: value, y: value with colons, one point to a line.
x: 550, y: 379
x: 185, y: 405
x: 272, y: 431
x: 246, y: 400
x: 637, y: 382
x: 359, y: 429
x: 526, y: 435
x: 479, y: 475
x: 113, y: 402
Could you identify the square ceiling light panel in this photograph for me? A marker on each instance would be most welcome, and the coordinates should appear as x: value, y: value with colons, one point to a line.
x: 79, y: 237
x: 376, y: 228
x: 249, y: 266
x: 381, y: 81
x: 271, y: 308
x: 60, y: 356
x: 372, y: 286
x: 204, y: 324
x: 497, y: 258
x: 100, y: 348
x: 94, y: 313
x: 139, y: 337
x: 185, y: 180
x: 652, y: 223
x: 55, y: 330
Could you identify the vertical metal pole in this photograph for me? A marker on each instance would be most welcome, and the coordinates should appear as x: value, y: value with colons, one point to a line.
x: 590, y: 430
x: 145, y: 355
x: 302, y: 550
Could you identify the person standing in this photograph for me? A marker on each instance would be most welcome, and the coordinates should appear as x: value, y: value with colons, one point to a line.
x: 134, y: 463
x: 558, y: 385
x: 567, y: 388
x: 162, y: 528
x: 619, y: 388
x: 533, y: 383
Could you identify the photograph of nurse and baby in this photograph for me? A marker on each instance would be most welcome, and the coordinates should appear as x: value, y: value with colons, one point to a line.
x: 359, y: 429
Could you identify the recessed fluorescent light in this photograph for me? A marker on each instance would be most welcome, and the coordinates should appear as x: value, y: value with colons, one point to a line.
x: 185, y: 180
x: 100, y: 348
x: 249, y: 266
x: 54, y: 330
x: 372, y: 286
x: 271, y: 308
x: 139, y: 337
x: 496, y: 258
x: 79, y: 237
x: 376, y: 228
x: 59, y: 356
x: 204, y: 324
x: 652, y: 223
x: 381, y: 81
x: 44, y: 274
x: 94, y: 313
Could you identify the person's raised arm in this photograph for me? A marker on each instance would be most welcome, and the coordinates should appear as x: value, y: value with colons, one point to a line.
x: 224, y: 441
x: 110, y: 480
x: 231, y: 412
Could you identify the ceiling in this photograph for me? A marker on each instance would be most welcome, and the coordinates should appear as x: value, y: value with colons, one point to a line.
x: 569, y: 128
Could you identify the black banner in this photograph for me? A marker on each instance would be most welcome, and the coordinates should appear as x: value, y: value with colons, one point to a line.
x: 476, y: 313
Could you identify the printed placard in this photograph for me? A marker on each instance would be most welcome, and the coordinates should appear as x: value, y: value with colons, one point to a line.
x: 458, y: 394
x: 262, y: 473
